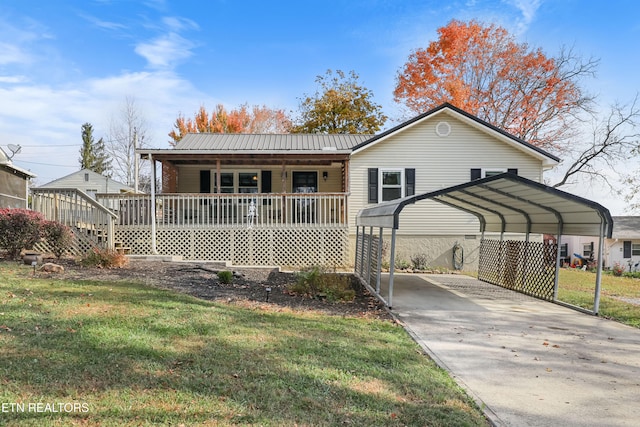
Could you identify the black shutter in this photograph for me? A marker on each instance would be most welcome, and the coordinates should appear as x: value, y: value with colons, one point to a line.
x: 265, y: 178
x: 626, y: 249
x: 476, y: 174
x: 205, y: 181
x: 513, y: 171
x: 373, y: 185
x: 410, y: 182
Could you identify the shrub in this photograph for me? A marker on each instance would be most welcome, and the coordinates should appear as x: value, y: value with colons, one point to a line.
x: 104, y: 258
x: 225, y: 276
x: 419, y: 261
x: 19, y: 229
x: 617, y: 269
x: 58, y: 236
x: 317, y: 282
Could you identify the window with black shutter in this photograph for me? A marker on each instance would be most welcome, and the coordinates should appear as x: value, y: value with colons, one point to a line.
x: 205, y: 181
x: 373, y: 185
x: 626, y: 249
x: 410, y: 182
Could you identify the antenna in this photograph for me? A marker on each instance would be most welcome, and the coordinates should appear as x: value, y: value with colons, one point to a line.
x: 15, y: 149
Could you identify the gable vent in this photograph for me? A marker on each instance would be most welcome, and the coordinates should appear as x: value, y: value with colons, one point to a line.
x: 443, y: 129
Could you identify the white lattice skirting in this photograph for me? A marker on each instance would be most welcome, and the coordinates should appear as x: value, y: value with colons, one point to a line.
x: 264, y: 246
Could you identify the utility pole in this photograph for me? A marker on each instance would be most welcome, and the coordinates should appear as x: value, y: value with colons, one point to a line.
x: 136, y: 166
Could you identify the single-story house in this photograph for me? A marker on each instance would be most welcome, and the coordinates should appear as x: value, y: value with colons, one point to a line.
x: 14, y: 184
x: 89, y: 182
x: 292, y: 199
x: 622, y: 248
x: 314, y: 185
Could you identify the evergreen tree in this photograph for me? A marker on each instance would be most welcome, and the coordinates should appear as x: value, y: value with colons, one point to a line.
x: 92, y: 154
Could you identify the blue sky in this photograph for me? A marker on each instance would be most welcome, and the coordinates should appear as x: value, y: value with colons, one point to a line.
x: 65, y: 63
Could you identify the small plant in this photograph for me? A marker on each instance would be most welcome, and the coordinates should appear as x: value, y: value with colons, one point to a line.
x: 225, y: 276
x: 104, y: 258
x: 58, y: 236
x: 19, y: 229
x: 419, y: 261
x: 617, y: 269
x: 401, y: 264
x: 317, y: 282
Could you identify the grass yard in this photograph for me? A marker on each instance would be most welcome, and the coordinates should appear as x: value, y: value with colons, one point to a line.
x: 120, y: 354
x: 619, y: 298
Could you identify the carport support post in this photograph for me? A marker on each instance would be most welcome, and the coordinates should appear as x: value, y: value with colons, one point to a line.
x: 362, y: 253
x: 596, y: 298
x: 556, y: 280
x: 369, y: 256
x: 355, y: 267
x: 379, y: 263
x: 391, y: 267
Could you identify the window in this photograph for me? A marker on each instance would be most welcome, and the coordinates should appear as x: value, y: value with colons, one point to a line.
x: 247, y: 182
x: 564, y: 250
x: 86, y: 177
x: 226, y: 183
x: 486, y: 173
x: 587, y: 249
x: 635, y: 249
x: 478, y: 173
x: 392, y: 184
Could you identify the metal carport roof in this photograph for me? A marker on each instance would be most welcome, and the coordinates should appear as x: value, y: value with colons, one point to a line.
x: 506, y: 203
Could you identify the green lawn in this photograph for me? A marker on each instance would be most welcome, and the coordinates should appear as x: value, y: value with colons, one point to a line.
x: 118, y: 354
x: 577, y: 287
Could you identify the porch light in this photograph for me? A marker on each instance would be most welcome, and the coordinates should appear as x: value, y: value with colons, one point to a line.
x: 325, y: 175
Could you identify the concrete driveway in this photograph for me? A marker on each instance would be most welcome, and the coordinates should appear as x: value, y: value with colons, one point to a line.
x: 527, y: 362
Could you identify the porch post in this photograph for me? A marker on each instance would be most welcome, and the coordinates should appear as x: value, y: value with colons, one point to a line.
x: 218, y: 172
x: 154, y: 249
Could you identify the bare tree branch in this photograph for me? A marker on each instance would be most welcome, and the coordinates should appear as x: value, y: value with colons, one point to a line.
x: 614, y: 139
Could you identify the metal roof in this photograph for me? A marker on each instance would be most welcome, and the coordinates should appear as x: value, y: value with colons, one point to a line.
x: 240, y: 142
x: 506, y: 203
x: 626, y: 227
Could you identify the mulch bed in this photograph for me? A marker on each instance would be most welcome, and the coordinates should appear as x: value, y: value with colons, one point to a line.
x: 249, y: 285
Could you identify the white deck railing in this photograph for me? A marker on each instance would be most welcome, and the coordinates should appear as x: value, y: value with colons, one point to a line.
x: 230, y: 210
x: 77, y: 210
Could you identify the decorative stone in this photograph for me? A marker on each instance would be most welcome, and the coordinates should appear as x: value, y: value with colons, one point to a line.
x: 30, y: 257
x: 52, y: 268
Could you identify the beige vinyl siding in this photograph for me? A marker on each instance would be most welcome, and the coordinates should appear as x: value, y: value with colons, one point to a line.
x: 439, y: 162
x: 189, y: 177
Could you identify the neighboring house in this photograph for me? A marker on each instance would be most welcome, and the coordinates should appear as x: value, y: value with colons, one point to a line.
x: 90, y: 182
x: 623, y: 247
x: 292, y: 199
x: 14, y: 184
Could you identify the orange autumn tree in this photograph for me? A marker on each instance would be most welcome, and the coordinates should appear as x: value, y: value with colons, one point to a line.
x: 484, y: 71
x: 257, y: 119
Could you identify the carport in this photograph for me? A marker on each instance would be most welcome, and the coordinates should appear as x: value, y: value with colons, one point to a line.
x: 504, y: 203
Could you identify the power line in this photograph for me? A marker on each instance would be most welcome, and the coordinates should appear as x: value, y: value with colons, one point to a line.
x: 47, y: 164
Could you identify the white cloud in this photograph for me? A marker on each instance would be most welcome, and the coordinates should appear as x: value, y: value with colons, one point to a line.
x: 166, y: 51
x: 13, y: 54
x: 527, y: 9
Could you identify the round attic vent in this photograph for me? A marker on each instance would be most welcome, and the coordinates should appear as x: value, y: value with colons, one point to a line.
x: 443, y: 129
